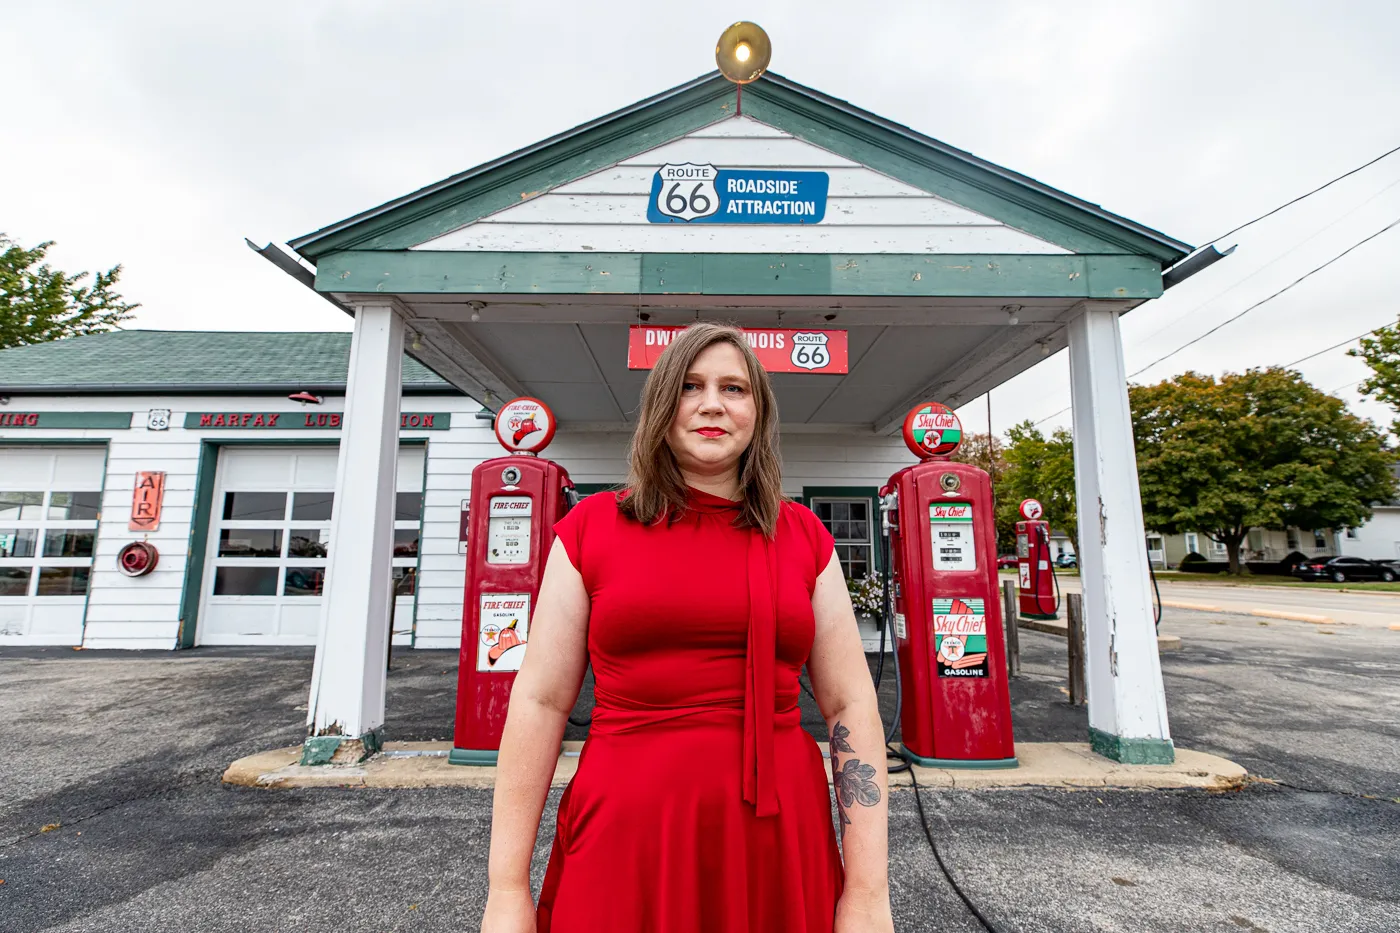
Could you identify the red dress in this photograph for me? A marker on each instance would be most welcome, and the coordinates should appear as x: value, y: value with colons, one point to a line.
x: 697, y: 807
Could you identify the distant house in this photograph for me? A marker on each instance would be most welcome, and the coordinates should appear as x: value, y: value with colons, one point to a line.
x: 1378, y: 539
x: 1260, y: 544
x: 1060, y: 544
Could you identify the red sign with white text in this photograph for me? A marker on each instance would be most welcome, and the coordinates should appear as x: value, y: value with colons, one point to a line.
x: 779, y: 350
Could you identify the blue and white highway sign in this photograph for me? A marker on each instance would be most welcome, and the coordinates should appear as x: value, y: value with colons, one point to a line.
x: 691, y: 193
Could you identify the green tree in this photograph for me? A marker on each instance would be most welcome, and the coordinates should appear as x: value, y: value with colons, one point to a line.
x: 1260, y: 448
x: 1042, y: 468
x: 1381, y: 352
x: 39, y: 303
x: 989, y: 454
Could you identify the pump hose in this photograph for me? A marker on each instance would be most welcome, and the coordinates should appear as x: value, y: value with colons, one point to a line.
x: 942, y: 865
x: 1157, y: 609
x: 1054, y: 578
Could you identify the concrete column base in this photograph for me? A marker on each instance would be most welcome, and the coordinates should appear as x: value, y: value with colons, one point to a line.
x: 1132, y: 751
x: 340, y: 749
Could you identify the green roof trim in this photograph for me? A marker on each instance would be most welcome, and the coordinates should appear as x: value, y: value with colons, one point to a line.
x: 898, y: 151
x: 194, y: 362
x: 915, y: 275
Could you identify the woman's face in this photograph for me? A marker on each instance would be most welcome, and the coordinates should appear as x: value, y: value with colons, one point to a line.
x: 715, y: 417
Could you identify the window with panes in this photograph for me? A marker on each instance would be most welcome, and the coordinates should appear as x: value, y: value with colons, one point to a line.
x: 851, y: 521
x: 275, y: 543
x: 47, y: 538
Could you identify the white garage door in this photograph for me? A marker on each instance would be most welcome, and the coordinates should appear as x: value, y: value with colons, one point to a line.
x: 269, y: 537
x: 49, y: 503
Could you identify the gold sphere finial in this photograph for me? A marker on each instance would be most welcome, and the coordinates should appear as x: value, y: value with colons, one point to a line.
x: 743, y: 52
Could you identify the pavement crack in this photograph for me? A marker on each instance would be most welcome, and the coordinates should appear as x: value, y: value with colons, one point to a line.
x: 64, y: 823
x: 1255, y: 779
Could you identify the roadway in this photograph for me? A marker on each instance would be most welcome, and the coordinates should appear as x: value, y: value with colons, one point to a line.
x: 1369, y: 609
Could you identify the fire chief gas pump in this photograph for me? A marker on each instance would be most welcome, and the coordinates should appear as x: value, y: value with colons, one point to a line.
x: 947, y: 615
x: 515, y: 501
x: 1036, y: 577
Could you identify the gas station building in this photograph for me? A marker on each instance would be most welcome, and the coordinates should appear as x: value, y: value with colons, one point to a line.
x: 940, y: 275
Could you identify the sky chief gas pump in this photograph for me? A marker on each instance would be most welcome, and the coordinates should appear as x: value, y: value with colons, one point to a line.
x: 956, y: 703
x: 509, y: 530
x: 1036, y: 578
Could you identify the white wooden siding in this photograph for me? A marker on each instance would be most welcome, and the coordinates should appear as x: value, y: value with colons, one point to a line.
x: 866, y: 212
x: 1377, y: 539
x: 115, y: 619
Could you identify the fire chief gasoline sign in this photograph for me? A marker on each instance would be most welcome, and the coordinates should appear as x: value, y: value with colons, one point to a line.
x: 691, y: 193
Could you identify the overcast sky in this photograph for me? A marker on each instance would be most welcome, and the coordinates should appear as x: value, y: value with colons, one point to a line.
x: 158, y: 135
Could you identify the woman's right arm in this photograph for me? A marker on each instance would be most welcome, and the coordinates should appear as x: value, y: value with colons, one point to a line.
x: 540, y: 700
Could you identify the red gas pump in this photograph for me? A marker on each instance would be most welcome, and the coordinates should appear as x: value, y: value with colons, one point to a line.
x: 515, y: 501
x: 1036, y: 577
x: 947, y: 614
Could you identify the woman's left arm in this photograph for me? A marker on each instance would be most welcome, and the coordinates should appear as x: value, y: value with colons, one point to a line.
x: 846, y: 696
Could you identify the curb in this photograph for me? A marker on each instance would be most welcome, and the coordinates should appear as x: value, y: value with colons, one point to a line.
x: 1294, y: 616
x: 1198, y: 607
x: 1261, y: 613
x: 1065, y: 765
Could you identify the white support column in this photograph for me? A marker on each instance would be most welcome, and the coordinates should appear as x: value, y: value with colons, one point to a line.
x: 346, y: 708
x: 1127, y: 706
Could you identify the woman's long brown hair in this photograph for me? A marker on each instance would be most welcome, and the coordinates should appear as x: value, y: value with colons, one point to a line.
x: 655, y: 486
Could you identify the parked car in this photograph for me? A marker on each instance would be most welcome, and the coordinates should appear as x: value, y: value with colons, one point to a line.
x: 1067, y: 560
x: 1342, y: 569
x: 1007, y: 562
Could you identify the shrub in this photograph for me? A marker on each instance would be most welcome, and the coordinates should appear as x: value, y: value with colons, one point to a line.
x: 865, y: 595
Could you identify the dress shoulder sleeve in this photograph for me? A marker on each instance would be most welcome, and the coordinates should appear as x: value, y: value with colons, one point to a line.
x: 820, y: 540
x: 573, y: 530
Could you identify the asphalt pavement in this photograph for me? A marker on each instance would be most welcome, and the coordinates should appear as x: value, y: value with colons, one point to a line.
x: 1366, y: 608
x: 112, y: 816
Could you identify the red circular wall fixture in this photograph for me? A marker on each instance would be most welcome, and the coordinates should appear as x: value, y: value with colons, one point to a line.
x: 137, y: 559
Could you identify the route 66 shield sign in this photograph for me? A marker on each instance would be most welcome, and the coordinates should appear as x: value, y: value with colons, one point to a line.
x: 809, y: 351
x: 687, y: 191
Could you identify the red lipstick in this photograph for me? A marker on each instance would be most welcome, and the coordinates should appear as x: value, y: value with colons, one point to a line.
x: 711, y: 432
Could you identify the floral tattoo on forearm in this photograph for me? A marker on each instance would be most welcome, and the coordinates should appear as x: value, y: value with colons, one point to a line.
x: 853, y: 779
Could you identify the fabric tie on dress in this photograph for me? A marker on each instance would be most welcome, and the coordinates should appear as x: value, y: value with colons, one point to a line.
x: 761, y: 561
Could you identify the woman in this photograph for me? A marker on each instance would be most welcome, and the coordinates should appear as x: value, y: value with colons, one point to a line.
x: 700, y: 805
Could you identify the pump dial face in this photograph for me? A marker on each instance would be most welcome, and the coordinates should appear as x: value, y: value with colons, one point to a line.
x: 932, y: 430
x: 525, y: 425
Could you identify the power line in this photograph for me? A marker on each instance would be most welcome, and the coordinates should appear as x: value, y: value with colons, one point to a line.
x: 1236, y: 317
x: 1251, y: 223
x: 1263, y: 301
x: 1176, y: 322
x: 1347, y: 386
x: 1336, y: 346
x: 1301, y: 197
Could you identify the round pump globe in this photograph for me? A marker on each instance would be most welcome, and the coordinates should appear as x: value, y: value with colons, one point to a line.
x: 932, y: 430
